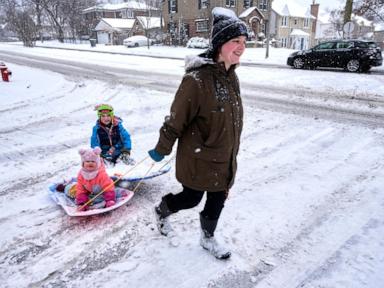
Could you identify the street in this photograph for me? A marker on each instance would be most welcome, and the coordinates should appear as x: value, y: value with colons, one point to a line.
x: 306, y: 209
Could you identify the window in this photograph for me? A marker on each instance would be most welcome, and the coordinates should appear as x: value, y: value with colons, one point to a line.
x: 172, y: 28
x: 203, y: 4
x: 263, y: 4
x: 295, y: 21
x: 230, y: 3
x: 263, y: 28
x: 344, y: 45
x: 362, y: 44
x: 248, y: 3
x: 202, y: 26
x: 306, y: 22
x: 172, y: 6
x: 284, y: 21
x: 284, y: 42
x: 128, y: 13
x: 326, y: 45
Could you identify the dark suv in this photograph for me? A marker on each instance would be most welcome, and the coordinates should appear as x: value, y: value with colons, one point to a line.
x: 352, y: 55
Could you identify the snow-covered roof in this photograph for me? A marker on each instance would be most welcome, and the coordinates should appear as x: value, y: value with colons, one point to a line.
x: 149, y: 22
x: 137, y: 5
x: 114, y: 23
x: 298, y: 32
x: 379, y: 26
x: 248, y: 11
x: 291, y: 8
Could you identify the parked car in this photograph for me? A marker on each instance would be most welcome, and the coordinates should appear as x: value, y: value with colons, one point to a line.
x: 198, y: 42
x: 136, y: 41
x: 352, y: 55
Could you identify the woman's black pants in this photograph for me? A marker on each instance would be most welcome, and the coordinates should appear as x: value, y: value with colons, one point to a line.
x: 190, y: 198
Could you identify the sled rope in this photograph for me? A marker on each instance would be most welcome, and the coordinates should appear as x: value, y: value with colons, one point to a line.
x: 150, y: 168
x: 166, y: 163
x: 145, y: 175
x: 113, y: 183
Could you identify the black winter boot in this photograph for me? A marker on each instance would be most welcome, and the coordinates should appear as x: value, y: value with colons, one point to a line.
x: 208, y: 241
x: 162, y: 212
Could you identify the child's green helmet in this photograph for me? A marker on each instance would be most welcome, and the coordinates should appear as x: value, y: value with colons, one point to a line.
x: 104, y: 108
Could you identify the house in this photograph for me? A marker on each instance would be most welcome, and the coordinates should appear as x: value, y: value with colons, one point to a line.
x: 379, y: 34
x: 113, y: 30
x: 126, y: 10
x: 292, y: 24
x: 328, y: 29
x: 149, y: 26
x: 256, y: 21
x: 186, y: 19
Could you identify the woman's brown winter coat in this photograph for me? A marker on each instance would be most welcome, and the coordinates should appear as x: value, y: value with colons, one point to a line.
x: 206, y: 117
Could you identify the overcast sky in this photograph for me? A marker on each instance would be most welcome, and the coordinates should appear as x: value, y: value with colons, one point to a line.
x: 324, y: 3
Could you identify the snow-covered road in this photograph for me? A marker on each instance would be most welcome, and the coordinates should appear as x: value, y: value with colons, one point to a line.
x: 361, y: 104
x: 306, y: 209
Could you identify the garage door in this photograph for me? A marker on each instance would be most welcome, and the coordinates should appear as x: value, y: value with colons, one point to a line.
x: 102, y: 37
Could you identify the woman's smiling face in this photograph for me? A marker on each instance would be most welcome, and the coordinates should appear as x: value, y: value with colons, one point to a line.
x: 232, y: 50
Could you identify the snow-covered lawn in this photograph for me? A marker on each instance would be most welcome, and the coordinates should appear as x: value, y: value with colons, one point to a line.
x: 306, y: 209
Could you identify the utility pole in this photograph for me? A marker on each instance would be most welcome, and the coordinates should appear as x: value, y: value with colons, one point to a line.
x: 268, y: 28
x: 348, y: 11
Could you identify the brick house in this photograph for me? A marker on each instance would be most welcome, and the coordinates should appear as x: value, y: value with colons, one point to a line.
x: 255, y: 19
x: 186, y: 19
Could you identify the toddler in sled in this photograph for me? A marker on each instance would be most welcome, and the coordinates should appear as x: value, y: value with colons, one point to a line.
x: 110, y: 135
x: 92, y: 179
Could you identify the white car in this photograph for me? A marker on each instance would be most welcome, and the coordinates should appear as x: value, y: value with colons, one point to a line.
x: 198, y: 42
x: 136, y: 41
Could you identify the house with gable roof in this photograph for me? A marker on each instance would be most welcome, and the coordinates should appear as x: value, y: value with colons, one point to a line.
x: 113, y: 30
x: 255, y: 20
x: 292, y: 24
x: 95, y: 18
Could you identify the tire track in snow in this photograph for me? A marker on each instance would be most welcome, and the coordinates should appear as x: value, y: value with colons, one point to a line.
x: 114, y: 243
x: 348, y: 209
x: 338, y: 111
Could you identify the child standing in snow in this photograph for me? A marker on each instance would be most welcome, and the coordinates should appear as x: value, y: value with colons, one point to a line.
x: 92, y: 179
x: 206, y: 118
x: 110, y: 135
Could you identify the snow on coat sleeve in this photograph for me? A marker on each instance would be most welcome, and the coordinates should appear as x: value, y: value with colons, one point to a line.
x: 183, y: 110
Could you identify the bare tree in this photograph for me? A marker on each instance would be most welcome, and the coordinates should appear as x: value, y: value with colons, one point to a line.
x: 54, y: 10
x: 336, y: 20
x: 19, y: 20
x: 348, y: 11
x: 370, y: 8
x: 35, y: 6
x: 72, y: 9
x: 152, y: 7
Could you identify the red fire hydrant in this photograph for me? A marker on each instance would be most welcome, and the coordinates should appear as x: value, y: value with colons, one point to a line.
x: 5, y: 73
